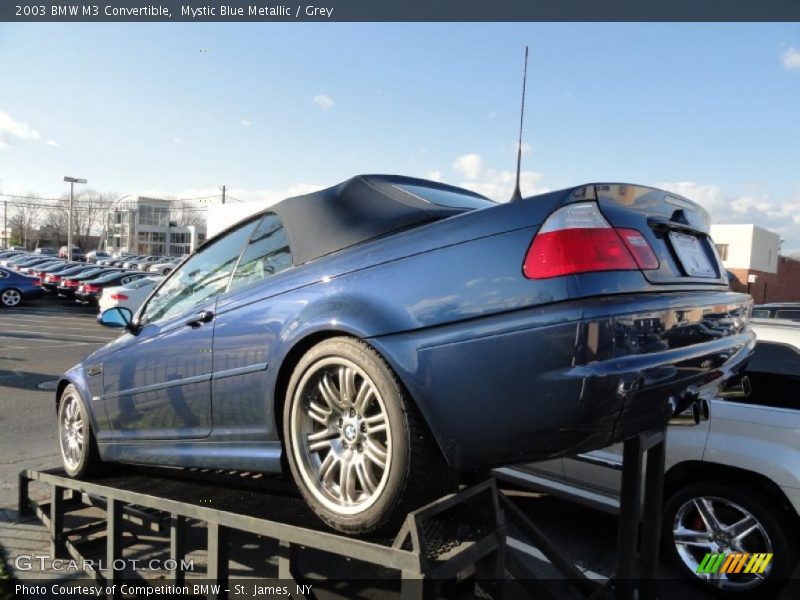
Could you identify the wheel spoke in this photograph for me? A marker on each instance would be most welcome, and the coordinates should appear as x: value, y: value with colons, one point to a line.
x: 347, y: 482
x: 365, y: 479
x: 364, y: 394
x: 321, y: 440
x: 741, y: 529
x: 375, y: 452
x: 326, y: 469
x: 375, y: 423
x: 318, y: 413
x: 329, y: 393
x: 706, y: 511
x: 691, y: 537
x: 347, y: 386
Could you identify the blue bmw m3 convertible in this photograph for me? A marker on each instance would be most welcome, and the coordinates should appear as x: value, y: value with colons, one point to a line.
x: 379, y: 337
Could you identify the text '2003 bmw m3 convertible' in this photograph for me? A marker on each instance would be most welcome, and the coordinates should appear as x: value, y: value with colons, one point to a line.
x: 385, y: 333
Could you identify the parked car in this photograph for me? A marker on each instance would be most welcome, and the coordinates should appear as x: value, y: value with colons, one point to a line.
x: 77, y: 253
x: 392, y: 332
x: 732, y: 483
x: 47, y: 251
x: 95, y: 256
x: 70, y: 284
x: 165, y: 267
x: 52, y: 281
x: 778, y: 310
x: 19, y: 248
x: 32, y: 260
x: 16, y: 288
x: 43, y: 271
x: 90, y: 290
x: 130, y: 294
x: 31, y: 269
x: 5, y: 257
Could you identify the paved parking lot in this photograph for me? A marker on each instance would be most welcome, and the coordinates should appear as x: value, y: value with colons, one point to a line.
x: 41, y: 340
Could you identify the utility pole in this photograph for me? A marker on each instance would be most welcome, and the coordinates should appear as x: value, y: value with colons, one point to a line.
x: 72, y: 181
x: 223, y: 194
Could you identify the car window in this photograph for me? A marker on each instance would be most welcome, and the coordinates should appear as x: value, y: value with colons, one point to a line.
x: 266, y: 254
x: 760, y: 313
x: 202, y: 277
x: 139, y: 283
x: 447, y: 198
x: 788, y: 313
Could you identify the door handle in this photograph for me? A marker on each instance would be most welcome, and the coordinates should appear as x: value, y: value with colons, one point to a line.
x: 204, y: 316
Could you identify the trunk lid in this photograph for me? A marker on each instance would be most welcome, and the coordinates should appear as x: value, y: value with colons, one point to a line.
x: 676, y: 228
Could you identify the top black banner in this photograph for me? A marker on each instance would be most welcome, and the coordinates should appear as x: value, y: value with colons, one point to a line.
x: 400, y: 10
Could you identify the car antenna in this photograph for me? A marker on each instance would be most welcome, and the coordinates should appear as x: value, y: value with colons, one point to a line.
x: 517, y: 195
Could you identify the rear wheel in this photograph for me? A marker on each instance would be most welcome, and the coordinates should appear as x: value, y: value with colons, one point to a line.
x: 10, y: 297
x: 356, y: 445
x: 79, y: 453
x: 715, y: 518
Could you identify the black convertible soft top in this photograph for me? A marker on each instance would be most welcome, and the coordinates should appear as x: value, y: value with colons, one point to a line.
x: 366, y: 207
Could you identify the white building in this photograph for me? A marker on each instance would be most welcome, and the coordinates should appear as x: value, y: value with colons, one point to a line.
x: 747, y: 247
x: 145, y: 226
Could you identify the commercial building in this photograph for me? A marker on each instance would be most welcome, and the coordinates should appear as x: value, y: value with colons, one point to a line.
x: 150, y: 226
x: 752, y: 255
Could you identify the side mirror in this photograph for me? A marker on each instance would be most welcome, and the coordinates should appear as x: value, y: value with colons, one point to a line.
x: 119, y: 316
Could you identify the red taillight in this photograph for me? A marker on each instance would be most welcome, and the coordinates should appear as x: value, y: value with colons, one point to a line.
x: 577, y: 239
x: 53, y: 278
x: 119, y: 297
x: 91, y: 289
x: 639, y: 248
x: 71, y: 283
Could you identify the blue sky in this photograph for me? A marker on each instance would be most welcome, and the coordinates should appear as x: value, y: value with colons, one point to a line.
x: 709, y: 110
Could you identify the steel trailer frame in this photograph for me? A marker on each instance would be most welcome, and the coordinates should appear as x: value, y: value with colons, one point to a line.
x: 409, y: 553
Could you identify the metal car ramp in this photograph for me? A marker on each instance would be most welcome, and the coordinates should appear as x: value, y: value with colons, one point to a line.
x: 458, y: 539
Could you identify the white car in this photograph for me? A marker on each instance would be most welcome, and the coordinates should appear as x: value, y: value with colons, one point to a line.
x: 131, y: 295
x: 732, y: 483
x: 163, y: 267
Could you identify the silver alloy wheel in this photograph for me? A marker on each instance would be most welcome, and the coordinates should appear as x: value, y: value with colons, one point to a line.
x: 71, y: 431
x: 11, y: 297
x: 715, y: 525
x: 340, y: 436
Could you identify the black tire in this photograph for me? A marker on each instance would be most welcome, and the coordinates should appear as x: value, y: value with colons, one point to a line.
x: 777, y: 523
x: 416, y: 472
x: 89, y: 462
x: 7, y: 293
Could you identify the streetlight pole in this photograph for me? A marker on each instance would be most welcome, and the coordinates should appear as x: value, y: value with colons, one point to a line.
x: 72, y: 181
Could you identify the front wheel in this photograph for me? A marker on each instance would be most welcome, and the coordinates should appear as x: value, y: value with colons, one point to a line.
x: 10, y: 297
x: 713, y: 518
x: 356, y: 445
x: 79, y: 453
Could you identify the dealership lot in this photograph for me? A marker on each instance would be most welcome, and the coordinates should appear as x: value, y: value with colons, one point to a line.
x: 41, y: 340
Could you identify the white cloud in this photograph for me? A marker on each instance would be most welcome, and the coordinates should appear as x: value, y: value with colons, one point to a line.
x: 469, y: 165
x: 246, y: 122
x: 53, y: 144
x: 323, y: 101
x: 495, y: 183
x: 791, y: 59
x: 3, y: 145
x: 779, y: 215
x: 434, y: 175
x: 499, y: 185
x: 177, y: 140
x: 10, y: 128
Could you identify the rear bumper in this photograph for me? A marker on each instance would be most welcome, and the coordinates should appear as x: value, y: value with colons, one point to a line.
x: 569, y: 377
x: 87, y: 297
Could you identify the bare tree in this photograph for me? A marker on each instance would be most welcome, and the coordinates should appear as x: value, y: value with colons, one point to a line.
x: 89, y: 210
x: 23, y: 219
x: 185, y: 213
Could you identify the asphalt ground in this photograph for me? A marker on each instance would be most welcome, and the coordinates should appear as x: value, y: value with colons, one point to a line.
x: 42, y: 339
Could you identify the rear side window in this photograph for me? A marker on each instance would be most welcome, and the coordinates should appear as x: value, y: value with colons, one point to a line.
x: 266, y: 254
x: 760, y: 313
x: 788, y: 313
x: 445, y: 198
